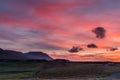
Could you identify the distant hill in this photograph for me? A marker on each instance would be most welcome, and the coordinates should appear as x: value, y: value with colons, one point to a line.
x: 38, y: 56
x: 12, y: 55
x: 15, y: 55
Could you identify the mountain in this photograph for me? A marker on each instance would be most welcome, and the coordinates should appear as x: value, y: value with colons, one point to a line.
x: 38, y: 56
x: 12, y: 55
x: 16, y: 55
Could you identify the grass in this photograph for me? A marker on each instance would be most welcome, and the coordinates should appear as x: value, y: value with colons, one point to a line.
x: 47, y: 70
x: 18, y: 70
x: 78, y: 70
x: 11, y: 66
x: 17, y: 76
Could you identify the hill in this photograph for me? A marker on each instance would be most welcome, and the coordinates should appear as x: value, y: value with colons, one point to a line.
x: 11, y: 55
x: 38, y: 56
x: 16, y: 55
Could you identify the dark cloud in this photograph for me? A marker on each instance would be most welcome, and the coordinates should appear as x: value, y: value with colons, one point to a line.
x: 100, y: 32
x: 92, y: 45
x: 112, y: 49
x: 75, y: 49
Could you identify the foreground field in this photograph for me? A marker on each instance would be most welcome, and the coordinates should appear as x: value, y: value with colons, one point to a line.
x: 58, y: 79
x: 57, y: 70
x: 78, y: 70
x: 18, y: 70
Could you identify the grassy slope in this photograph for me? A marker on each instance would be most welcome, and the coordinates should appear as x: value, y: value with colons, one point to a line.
x: 68, y: 70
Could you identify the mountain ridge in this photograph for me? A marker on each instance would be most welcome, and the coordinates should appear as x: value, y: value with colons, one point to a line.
x: 16, y: 55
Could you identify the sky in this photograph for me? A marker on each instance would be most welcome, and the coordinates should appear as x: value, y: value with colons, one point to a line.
x: 54, y: 26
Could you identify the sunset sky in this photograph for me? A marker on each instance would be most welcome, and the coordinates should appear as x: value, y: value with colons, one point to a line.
x: 54, y: 26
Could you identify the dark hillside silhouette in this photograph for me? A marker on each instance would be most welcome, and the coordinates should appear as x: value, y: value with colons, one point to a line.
x: 10, y: 55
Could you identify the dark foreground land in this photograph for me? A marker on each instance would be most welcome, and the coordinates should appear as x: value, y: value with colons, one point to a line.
x: 57, y: 70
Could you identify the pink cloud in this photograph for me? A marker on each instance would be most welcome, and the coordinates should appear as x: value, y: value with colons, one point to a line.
x: 61, y: 24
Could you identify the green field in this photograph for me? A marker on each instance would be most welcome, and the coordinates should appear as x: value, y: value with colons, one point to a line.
x: 18, y: 70
x: 49, y: 70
